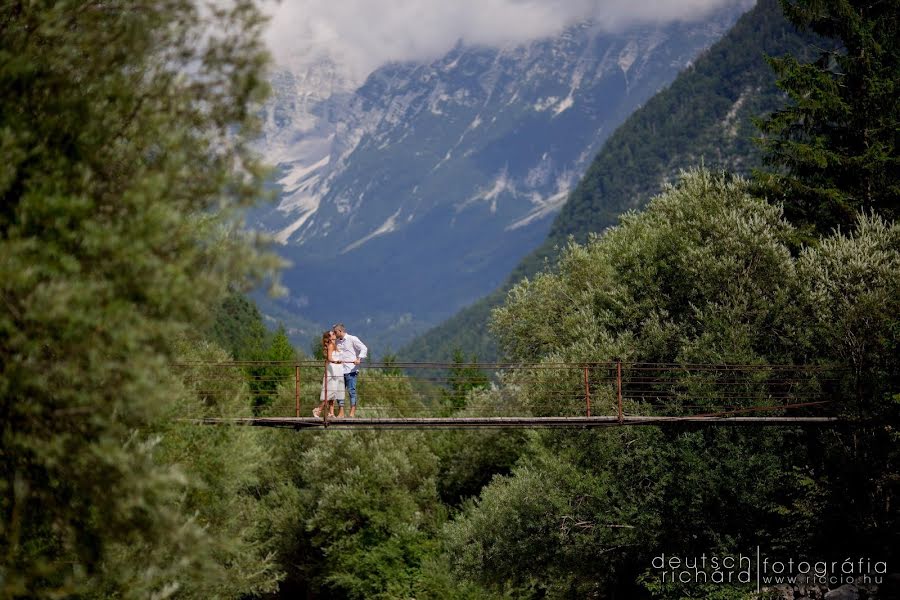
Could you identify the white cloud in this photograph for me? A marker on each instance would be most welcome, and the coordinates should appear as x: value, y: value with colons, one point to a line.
x: 362, y: 35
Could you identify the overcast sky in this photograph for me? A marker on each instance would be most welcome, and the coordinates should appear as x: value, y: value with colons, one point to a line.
x: 365, y: 34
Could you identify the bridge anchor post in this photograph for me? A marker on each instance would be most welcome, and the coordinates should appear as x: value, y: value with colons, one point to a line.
x: 619, y: 387
x: 297, y: 389
x: 587, y: 390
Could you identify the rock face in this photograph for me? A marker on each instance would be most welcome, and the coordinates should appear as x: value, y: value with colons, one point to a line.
x: 409, y: 196
x: 845, y: 592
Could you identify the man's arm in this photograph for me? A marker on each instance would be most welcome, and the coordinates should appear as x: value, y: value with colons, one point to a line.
x: 359, y: 348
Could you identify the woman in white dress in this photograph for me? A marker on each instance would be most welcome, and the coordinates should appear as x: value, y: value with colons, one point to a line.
x: 333, y: 380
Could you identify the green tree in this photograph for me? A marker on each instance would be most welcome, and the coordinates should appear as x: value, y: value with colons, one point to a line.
x: 222, y: 467
x: 704, y: 275
x: 265, y: 379
x: 365, y: 512
x: 464, y: 376
x: 469, y: 459
x: 697, y: 277
x: 316, y: 350
x: 854, y: 312
x: 834, y: 150
x: 389, y: 360
x: 123, y: 131
x: 238, y: 327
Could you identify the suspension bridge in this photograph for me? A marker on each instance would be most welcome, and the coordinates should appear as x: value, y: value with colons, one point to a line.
x: 532, y: 395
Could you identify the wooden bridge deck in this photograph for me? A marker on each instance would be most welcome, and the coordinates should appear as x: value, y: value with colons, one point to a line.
x: 658, y: 394
x: 511, y: 422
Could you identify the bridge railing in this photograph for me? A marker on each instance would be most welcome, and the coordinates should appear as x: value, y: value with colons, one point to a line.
x: 610, y: 388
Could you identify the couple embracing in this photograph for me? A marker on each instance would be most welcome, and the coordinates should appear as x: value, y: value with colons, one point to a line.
x: 343, y: 353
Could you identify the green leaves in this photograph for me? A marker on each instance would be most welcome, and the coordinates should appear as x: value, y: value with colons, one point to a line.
x: 370, y: 510
x: 556, y: 525
x: 659, y: 286
x: 854, y: 285
x: 464, y: 378
x: 704, y: 275
x: 121, y: 125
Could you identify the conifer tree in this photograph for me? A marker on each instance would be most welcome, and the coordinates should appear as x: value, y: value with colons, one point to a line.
x: 464, y: 377
x: 265, y: 379
x: 832, y: 151
x: 238, y: 327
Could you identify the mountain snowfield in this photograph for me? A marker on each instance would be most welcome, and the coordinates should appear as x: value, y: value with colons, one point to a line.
x: 405, y: 197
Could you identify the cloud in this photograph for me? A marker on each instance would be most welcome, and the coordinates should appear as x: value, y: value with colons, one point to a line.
x: 362, y: 35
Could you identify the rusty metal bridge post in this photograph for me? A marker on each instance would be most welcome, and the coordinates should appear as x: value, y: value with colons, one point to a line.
x: 619, y: 387
x: 587, y: 390
x: 297, y: 389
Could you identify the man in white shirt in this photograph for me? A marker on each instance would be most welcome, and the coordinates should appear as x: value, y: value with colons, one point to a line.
x: 351, y: 351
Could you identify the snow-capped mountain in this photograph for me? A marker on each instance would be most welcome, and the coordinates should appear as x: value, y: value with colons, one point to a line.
x: 410, y: 195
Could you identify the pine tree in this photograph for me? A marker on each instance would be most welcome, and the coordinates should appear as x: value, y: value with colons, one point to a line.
x: 238, y: 327
x: 464, y: 377
x: 264, y: 379
x: 833, y: 149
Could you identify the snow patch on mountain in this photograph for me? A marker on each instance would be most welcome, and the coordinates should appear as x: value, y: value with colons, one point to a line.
x: 296, y: 176
x: 387, y: 227
x: 306, y: 206
x: 627, y: 56
x: 501, y: 183
x: 545, y: 103
x: 546, y: 206
x: 566, y: 103
x: 729, y: 123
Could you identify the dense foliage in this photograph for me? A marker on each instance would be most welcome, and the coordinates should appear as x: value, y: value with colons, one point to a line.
x: 705, y: 274
x: 237, y: 326
x: 833, y: 151
x: 123, y: 134
x: 359, y: 514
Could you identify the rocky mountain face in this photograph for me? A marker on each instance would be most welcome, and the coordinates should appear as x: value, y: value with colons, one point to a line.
x: 704, y: 117
x: 407, y: 197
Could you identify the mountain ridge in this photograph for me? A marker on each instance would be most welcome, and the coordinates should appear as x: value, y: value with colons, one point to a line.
x: 465, y: 159
x: 704, y: 116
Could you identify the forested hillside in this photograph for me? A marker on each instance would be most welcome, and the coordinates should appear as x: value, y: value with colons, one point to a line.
x: 705, y: 116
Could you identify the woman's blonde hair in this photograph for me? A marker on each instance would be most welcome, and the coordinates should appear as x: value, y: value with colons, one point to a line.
x: 326, y: 337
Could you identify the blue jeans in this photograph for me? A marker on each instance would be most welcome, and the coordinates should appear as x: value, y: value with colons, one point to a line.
x: 350, y: 385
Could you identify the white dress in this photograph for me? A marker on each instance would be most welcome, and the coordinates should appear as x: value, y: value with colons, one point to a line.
x: 333, y: 381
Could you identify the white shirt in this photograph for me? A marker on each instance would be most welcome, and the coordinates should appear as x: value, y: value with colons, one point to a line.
x: 348, y: 350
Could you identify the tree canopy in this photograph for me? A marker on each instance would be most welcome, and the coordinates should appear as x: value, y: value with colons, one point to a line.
x: 704, y: 275
x: 833, y: 150
x: 123, y: 131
